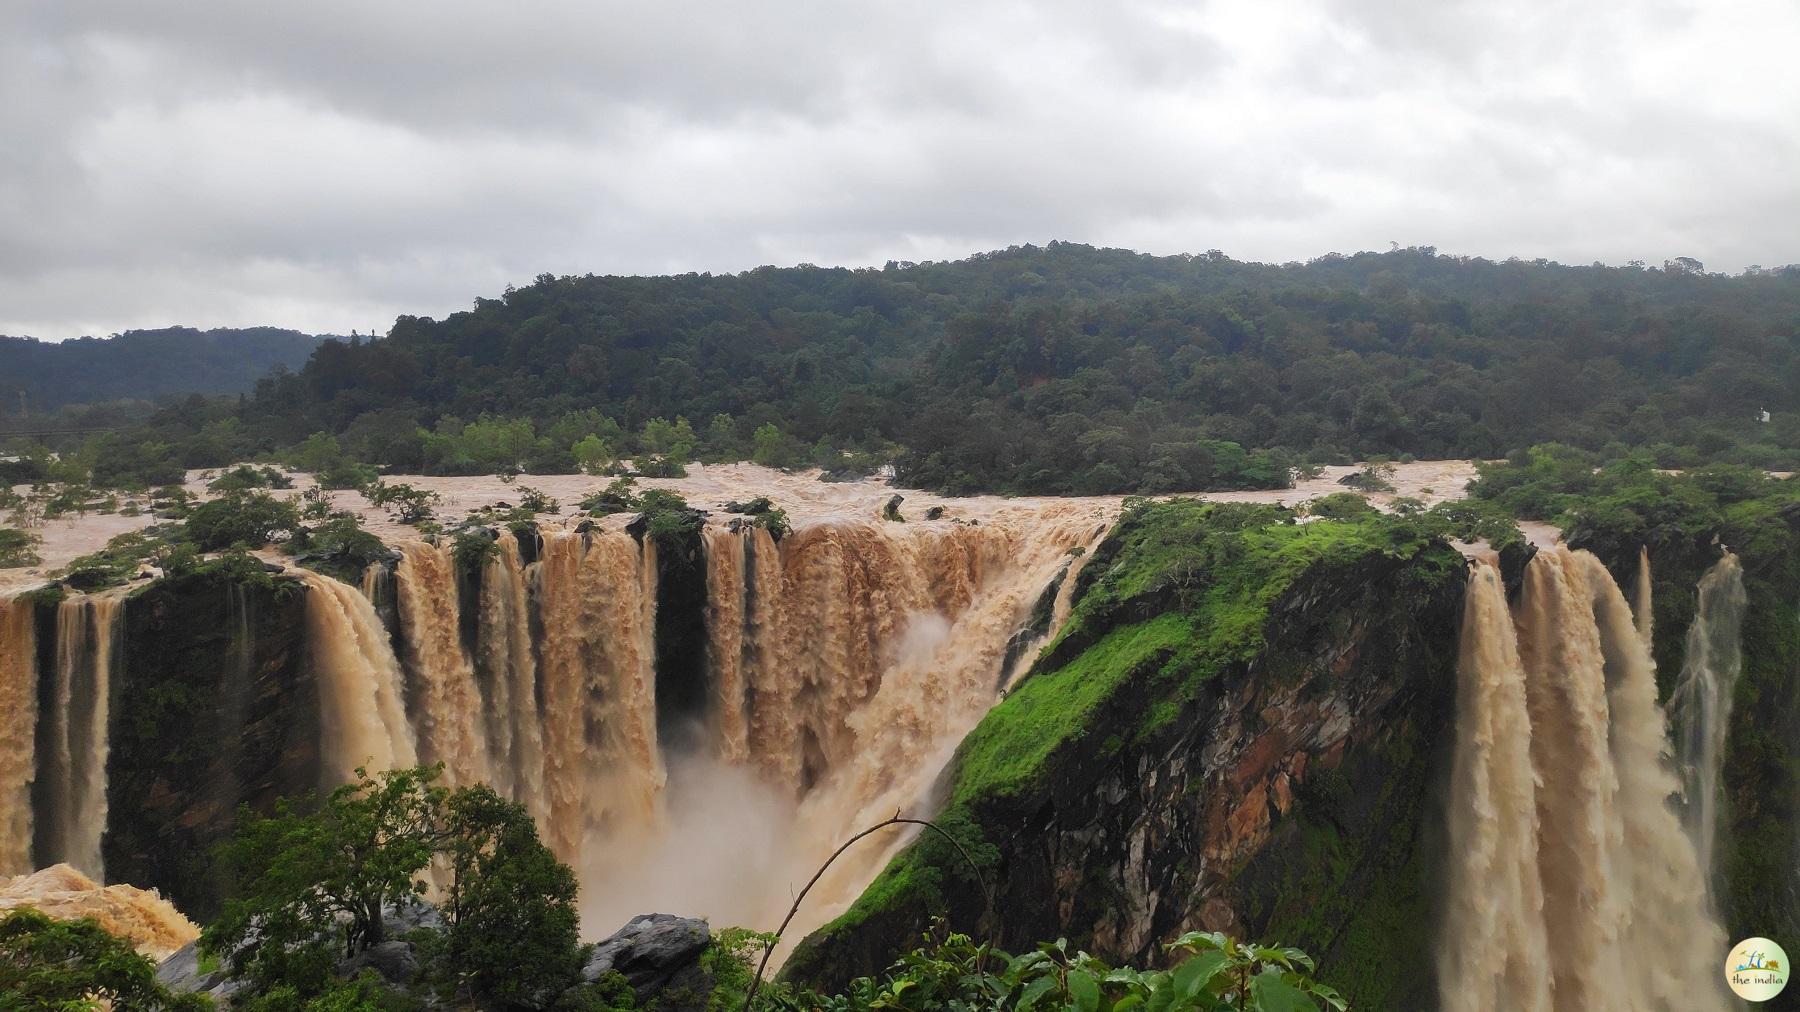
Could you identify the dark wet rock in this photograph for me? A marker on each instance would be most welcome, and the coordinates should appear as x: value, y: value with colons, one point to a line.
x: 659, y: 956
x: 410, y: 915
x: 935, y: 513
x: 395, y: 959
x: 892, y: 510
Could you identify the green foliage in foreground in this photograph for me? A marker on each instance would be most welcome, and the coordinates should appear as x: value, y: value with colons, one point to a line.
x: 1209, y: 972
x: 73, y: 965
x: 311, y: 888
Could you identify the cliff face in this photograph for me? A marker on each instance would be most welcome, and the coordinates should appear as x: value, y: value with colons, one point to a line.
x: 1239, y: 730
x: 212, y: 708
x: 1760, y: 859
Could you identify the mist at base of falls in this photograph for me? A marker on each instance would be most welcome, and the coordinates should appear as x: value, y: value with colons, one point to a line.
x: 843, y: 665
x: 721, y: 850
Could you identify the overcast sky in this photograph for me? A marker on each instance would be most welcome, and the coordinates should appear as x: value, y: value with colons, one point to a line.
x: 326, y: 166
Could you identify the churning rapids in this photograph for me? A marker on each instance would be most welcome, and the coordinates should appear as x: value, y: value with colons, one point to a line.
x: 839, y: 668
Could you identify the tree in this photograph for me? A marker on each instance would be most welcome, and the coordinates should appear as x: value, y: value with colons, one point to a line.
x: 594, y: 455
x: 511, y: 906
x: 50, y: 964
x: 404, y: 503
x: 308, y: 884
x: 771, y: 447
x: 250, y: 517
x: 310, y: 889
x: 17, y: 548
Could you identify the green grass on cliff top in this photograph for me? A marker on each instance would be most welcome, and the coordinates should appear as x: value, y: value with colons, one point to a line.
x: 1187, y: 592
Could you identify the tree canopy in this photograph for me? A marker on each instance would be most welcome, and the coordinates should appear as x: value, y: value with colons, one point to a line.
x: 1056, y: 370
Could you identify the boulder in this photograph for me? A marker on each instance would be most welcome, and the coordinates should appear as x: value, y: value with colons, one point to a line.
x: 410, y: 914
x: 181, y: 973
x: 659, y: 956
x: 394, y: 959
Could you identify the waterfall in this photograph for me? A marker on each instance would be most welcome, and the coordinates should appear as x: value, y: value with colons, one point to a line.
x: 1617, y: 911
x: 1641, y: 605
x: 362, y: 718
x: 18, y: 731
x: 1700, y: 706
x: 1495, y: 954
x: 602, y: 771
x: 507, y: 666
x: 447, y: 707
x: 854, y: 656
x: 841, y: 667
x: 729, y: 597
x: 72, y: 744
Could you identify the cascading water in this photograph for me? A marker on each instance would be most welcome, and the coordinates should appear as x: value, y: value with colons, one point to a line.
x: 507, y: 668
x: 70, y: 795
x: 1700, y: 706
x: 1494, y: 953
x: 446, y: 705
x: 602, y: 771
x: 1595, y: 880
x: 18, y: 731
x: 362, y: 717
x: 842, y: 665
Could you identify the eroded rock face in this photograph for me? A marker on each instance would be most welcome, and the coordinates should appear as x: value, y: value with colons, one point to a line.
x: 213, y: 708
x: 1277, y: 805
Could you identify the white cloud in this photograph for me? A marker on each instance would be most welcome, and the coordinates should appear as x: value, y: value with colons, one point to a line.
x: 328, y: 166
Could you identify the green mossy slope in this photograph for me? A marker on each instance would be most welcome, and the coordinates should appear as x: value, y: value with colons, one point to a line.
x: 1217, y: 654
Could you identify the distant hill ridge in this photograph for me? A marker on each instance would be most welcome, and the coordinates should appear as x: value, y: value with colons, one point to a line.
x: 144, y: 364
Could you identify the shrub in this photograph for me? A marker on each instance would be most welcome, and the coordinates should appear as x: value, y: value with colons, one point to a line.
x: 404, y: 503
x: 17, y: 548
x: 1211, y: 973
x: 309, y: 887
x: 250, y: 518
x: 616, y: 497
x: 246, y: 477
x: 537, y: 501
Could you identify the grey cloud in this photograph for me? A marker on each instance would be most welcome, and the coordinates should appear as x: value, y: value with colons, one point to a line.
x: 330, y: 165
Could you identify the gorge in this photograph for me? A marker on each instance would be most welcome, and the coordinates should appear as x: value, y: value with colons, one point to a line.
x: 1446, y: 778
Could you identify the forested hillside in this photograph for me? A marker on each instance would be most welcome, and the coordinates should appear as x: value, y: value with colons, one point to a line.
x: 1065, y: 369
x: 143, y: 364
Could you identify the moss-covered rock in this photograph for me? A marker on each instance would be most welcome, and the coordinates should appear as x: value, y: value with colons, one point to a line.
x: 1236, y: 730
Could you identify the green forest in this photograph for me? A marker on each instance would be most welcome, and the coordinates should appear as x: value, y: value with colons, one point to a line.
x: 1058, y: 370
x: 140, y: 365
